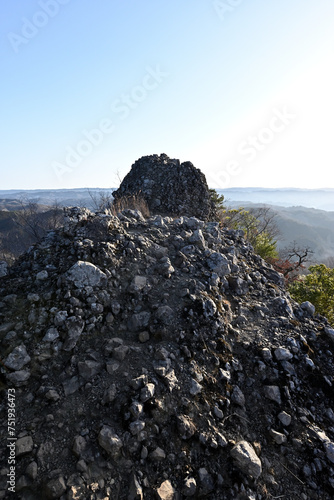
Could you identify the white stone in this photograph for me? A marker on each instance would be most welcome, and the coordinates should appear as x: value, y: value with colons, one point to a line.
x: 86, y: 274
x: 278, y: 437
x: 282, y: 354
x: 246, y: 459
x: 166, y: 491
x: 189, y: 488
x: 147, y: 392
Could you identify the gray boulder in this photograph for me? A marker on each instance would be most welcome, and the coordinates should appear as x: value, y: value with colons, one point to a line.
x: 86, y: 274
x: 246, y: 459
x: 18, y: 358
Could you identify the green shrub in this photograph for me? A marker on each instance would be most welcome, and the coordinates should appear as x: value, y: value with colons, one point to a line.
x: 318, y: 288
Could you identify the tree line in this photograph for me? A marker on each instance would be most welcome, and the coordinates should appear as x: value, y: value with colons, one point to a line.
x: 305, y: 282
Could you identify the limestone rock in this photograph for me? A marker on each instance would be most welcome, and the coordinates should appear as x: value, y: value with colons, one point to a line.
x: 18, y: 358
x: 166, y: 491
x: 75, y: 328
x: 147, y: 392
x: 24, y: 445
x: 273, y: 392
x: 282, y: 354
x: 219, y: 264
x: 189, y: 487
x: 18, y: 378
x: 238, y: 396
x: 110, y: 441
x: 330, y: 333
x: 86, y: 274
x: 246, y: 459
x: 308, y: 308
x: 32, y: 470
x: 278, y: 437
x: 285, y: 418
x: 158, y: 454
x: 185, y: 426
x: 42, y: 275
x: 135, y: 490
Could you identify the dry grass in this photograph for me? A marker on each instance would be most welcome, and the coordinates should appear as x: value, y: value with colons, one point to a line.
x: 134, y: 202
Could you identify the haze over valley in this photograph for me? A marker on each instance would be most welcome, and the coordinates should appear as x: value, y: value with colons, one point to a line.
x: 301, y: 213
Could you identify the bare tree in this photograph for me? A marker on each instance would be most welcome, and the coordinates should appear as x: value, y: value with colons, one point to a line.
x: 100, y: 200
x: 297, y: 255
x: 253, y: 221
x: 12, y: 245
x: 267, y: 221
x: 292, y: 261
x: 119, y: 178
x: 35, y: 220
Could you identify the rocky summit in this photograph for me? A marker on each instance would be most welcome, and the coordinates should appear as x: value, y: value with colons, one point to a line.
x: 169, y: 187
x: 160, y: 358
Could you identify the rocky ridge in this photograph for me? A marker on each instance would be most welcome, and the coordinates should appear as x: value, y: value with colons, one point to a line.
x: 169, y: 187
x: 161, y: 359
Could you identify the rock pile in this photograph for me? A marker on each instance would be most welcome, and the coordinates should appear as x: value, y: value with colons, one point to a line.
x: 161, y: 359
x: 169, y: 187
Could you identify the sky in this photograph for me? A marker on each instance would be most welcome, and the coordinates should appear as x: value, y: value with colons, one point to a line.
x: 242, y: 89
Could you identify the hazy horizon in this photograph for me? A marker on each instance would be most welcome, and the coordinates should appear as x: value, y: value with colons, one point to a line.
x: 234, y: 188
x: 320, y: 199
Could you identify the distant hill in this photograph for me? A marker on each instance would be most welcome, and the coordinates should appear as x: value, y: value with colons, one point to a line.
x: 322, y: 199
x: 309, y: 227
x: 64, y: 197
x: 300, y: 217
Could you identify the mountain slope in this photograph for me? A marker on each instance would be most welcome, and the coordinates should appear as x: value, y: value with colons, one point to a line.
x: 309, y: 227
x: 322, y: 199
x: 161, y: 358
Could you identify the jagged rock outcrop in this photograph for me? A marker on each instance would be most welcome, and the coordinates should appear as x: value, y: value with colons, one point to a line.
x: 161, y: 358
x: 169, y: 187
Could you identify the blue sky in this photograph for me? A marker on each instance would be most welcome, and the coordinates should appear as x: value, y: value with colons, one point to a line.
x: 243, y: 89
